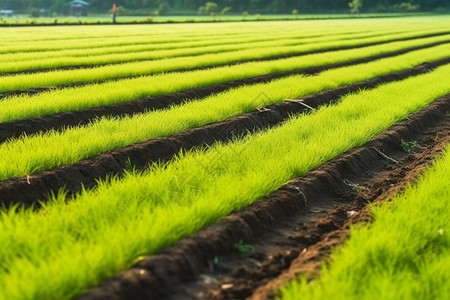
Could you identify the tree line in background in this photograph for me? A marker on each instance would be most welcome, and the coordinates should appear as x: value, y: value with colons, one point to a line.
x: 160, y: 7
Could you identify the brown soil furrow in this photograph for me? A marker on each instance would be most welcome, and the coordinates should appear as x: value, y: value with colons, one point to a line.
x: 303, y: 214
x: 36, y: 90
x: 84, y: 116
x: 28, y: 190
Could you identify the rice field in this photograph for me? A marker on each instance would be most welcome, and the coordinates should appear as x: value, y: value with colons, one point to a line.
x: 226, y: 160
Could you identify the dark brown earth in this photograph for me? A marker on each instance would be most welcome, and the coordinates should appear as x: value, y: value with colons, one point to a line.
x: 292, y: 229
x: 29, y: 189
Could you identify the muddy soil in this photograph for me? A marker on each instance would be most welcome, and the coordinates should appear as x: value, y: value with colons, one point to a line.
x: 289, y: 231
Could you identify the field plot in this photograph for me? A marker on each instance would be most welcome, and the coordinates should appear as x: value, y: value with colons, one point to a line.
x: 153, y: 162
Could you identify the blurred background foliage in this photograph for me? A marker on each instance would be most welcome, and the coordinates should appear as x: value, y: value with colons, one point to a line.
x: 168, y: 7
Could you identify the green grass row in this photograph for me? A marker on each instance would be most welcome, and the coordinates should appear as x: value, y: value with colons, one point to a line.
x: 107, y: 36
x: 145, y: 45
x: 135, y: 40
x: 404, y: 254
x: 239, y: 51
x: 44, y: 151
x: 63, y: 37
x: 66, y: 33
x: 260, y: 40
x: 87, y: 43
x: 135, y: 43
x: 85, y: 33
x: 25, y: 106
x: 60, y: 250
x: 57, y: 60
x: 60, y: 77
x: 98, y: 37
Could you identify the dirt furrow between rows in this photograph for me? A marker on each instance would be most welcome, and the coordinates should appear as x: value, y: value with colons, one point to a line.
x: 244, y: 254
x: 58, y: 121
x: 36, y: 90
x: 29, y: 189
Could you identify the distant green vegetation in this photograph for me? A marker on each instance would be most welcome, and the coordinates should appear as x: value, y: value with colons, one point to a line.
x: 106, y: 19
x: 235, y: 45
x: 404, y: 254
x: 208, y: 7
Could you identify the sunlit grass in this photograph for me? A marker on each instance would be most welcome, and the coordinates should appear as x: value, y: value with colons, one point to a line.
x: 63, y: 248
x: 48, y: 150
x: 60, y: 77
x: 404, y: 254
x: 145, y: 52
x: 130, y: 45
x: 91, y: 37
x: 24, y: 106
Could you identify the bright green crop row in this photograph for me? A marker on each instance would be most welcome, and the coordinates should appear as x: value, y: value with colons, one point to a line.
x: 59, y: 77
x: 120, y: 57
x: 281, y: 39
x: 142, y: 46
x: 314, y: 43
x: 195, y: 18
x: 139, y: 43
x: 197, y: 32
x: 404, y: 254
x: 87, y: 45
x: 273, y: 47
x: 28, y: 154
x: 58, y: 251
x: 29, y: 36
x: 66, y: 33
x: 25, y: 106
x: 134, y: 36
x: 52, y: 35
x: 33, y: 34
